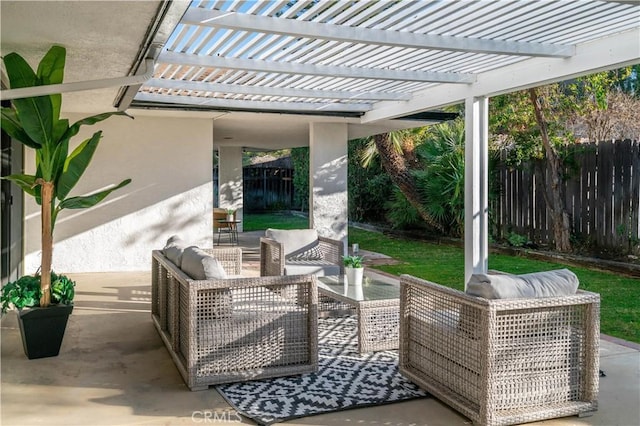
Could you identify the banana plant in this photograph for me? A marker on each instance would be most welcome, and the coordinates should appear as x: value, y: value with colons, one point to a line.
x: 36, y: 123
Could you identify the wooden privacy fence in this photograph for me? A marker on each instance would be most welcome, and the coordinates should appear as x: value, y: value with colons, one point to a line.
x: 266, y: 186
x: 602, y: 191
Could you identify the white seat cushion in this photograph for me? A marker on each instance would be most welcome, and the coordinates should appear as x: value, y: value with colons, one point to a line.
x: 311, y: 267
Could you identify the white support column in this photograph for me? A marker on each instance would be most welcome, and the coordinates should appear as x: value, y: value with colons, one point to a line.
x: 328, y: 180
x: 476, y: 201
x: 230, y: 195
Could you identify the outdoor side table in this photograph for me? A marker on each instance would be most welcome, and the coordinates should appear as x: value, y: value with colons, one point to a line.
x: 376, y: 303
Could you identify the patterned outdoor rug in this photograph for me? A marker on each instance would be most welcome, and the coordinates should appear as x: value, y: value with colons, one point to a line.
x: 345, y: 380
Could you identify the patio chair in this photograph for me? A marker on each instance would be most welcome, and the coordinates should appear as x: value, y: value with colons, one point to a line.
x: 299, y: 251
x: 230, y: 328
x: 222, y: 228
x: 501, y: 361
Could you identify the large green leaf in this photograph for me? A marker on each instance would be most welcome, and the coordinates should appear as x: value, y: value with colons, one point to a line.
x: 59, y: 129
x: 36, y: 117
x: 26, y: 182
x: 19, y: 72
x: 75, y: 165
x: 51, y: 67
x: 59, y: 159
x: 51, y: 71
x: 75, y: 128
x: 35, y: 113
x: 11, y: 125
x: 90, y: 200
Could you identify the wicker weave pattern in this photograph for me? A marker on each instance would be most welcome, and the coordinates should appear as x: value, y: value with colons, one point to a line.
x: 501, y: 362
x: 272, y: 259
x: 377, y: 319
x: 378, y: 325
x: 235, y: 329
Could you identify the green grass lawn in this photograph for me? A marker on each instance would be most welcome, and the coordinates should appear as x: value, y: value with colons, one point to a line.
x: 443, y: 264
x: 257, y: 222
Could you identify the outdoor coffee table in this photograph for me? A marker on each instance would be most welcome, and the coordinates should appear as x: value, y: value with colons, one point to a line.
x: 376, y: 304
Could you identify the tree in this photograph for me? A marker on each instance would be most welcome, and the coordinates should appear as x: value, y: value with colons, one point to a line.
x: 441, y: 180
x: 533, y: 125
x: 604, y: 106
x: 397, y: 166
x: 370, y: 188
x: 36, y: 123
x: 553, y: 187
x: 300, y: 161
x: 527, y: 126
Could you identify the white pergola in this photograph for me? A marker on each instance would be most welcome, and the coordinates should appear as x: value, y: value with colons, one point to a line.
x: 283, y: 72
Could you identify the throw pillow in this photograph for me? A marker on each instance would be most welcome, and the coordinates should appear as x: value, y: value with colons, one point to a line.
x: 200, y: 265
x: 313, y: 253
x: 560, y: 282
x: 174, y: 249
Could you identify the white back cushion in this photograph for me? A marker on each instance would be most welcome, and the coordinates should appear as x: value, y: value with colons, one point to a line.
x: 199, y: 265
x: 174, y: 249
x: 294, y: 240
x: 560, y: 282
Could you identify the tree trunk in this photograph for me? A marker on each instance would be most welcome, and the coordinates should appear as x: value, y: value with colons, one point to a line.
x: 553, y: 188
x: 47, y: 243
x: 397, y: 168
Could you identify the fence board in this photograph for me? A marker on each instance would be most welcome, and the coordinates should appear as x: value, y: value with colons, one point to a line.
x: 602, y: 194
x: 588, y: 194
x: 605, y: 171
x: 635, y: 192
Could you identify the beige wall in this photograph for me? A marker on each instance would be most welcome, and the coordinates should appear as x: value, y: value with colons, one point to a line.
x: 170, y: 163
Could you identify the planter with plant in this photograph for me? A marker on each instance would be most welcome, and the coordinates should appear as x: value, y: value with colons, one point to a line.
x: 353, y: 269
x: 45, y: 297
x: 230, y: 213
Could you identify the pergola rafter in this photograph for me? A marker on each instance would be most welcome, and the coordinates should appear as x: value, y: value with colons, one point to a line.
x: 312, y: 69
x: 313, y: 30
x: 274, y: 91
x: 221, y: 103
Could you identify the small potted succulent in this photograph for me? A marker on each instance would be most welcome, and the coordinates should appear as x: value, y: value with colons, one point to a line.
x: 230, y: 213
x: 354, y: 269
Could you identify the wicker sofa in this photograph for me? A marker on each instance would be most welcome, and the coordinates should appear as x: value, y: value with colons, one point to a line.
x: 502, y: 361
x: 234, y: 329
x: 299, y: 251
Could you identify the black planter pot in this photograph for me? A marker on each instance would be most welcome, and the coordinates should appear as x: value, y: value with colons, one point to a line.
x: 42, y: 330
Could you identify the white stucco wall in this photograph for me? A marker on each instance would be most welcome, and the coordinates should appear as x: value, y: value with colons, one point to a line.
x: 230, y: 194
x: 170, y: 163
x: 328, y: 196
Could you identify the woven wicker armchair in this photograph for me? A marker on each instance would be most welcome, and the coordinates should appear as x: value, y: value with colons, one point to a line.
x: 501, y: 362
x: 234, y: 329
x: 275, y: 256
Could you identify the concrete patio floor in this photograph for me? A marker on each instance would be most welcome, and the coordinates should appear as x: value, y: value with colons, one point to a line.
x: 113, y: 369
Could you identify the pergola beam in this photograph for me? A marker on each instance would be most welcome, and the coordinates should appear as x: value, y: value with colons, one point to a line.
x: 273, y: 91
x: 311, y: 69
x: 348, y: 34
x: 252, y: 105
